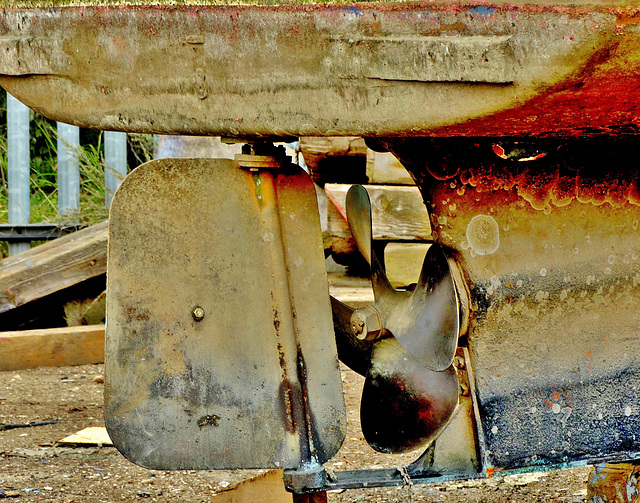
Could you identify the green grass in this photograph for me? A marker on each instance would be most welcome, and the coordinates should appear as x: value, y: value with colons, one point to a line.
x: 44, y: 192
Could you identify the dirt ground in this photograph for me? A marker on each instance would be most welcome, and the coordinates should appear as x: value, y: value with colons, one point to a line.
x: 33, y: 467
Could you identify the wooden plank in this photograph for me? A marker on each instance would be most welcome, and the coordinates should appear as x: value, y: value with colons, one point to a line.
x: 54, y: 347
x: 96, y: 312
x: 385, y: 168
x: 316, y: 148
x: 92, y: 436
x: 74, y: 312
x: 53, y: 266
x: 403, y: 262
x: 398, y: 213
x: 353, y: 291
x: 45, y: 247
x: 265, y: 488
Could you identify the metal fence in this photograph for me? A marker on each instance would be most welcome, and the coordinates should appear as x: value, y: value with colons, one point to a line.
x: 20, y: 231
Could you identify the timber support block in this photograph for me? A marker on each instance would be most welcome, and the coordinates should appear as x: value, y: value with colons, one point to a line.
x: 54, y: 347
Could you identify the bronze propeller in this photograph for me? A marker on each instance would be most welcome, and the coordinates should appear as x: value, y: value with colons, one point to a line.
x: 403, y: 343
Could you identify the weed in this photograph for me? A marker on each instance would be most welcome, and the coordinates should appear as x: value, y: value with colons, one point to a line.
x: 43, y: 175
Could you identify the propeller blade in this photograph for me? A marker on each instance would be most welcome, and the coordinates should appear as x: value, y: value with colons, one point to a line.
x: 358, y: 206
x: 411, y: 389
x: 353, y: 352
x: 427, y: 324
x: 404, y: 405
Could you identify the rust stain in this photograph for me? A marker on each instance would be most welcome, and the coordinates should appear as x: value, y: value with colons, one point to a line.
x: 291, y: 400
x: 459, y: 26
x: 276, y: 320
x: 308, y: 447
x: 573, y: 170
x: 208, y: 420
x: 617, y: 482
x: 133, y: 314
x: 601, y: 98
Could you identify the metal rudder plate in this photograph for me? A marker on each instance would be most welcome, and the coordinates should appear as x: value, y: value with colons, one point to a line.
x: 220, y: 351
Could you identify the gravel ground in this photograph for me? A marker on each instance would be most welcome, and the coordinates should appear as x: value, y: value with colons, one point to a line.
x: 33, y: 467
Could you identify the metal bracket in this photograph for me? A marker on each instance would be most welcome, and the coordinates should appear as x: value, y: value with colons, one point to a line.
x: 306, y: 479
x: 35, y: 232
x: 263, y: 155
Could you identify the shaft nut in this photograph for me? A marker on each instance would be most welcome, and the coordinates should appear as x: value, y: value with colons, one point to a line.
x: 366, y: 323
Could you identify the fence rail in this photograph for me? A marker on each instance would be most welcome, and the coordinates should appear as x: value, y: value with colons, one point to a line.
x: 20, y: 231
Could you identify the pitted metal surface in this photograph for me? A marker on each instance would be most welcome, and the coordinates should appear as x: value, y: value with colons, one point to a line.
x: 361, y: 69
x: 551, y: 249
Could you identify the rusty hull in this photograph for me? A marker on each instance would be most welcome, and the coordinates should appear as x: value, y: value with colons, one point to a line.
x: 370, y: 69
x: 551, y: 251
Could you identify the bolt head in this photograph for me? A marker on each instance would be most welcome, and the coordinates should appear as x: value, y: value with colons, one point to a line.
x: 197, y: 313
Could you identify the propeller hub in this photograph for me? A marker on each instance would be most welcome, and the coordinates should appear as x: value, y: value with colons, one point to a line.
x: 366, y: 323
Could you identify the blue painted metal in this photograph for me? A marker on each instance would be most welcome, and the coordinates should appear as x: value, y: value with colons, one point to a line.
x: 18, y: 160
x: 115, y: 159
x: 68, y: 169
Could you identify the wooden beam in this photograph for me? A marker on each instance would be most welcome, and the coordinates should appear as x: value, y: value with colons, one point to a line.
x: 53, y: 266
x: 54, y: 347
x: 403, y: 262
x: 88, y: 437
x: 398, y: 212
x: 316, y: 148
x: 355, y: 292
x: 385, y: 168
x: 96, y: 313
x: 265, y: 488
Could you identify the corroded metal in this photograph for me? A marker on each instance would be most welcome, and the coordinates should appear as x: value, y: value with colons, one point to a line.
x: 366, y: 323
x: 551, y: 250
x: 220, y: 350
x: 614, y: 483
x: 548, y: 247
x: 413, y: 69
x: 454, y: 455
